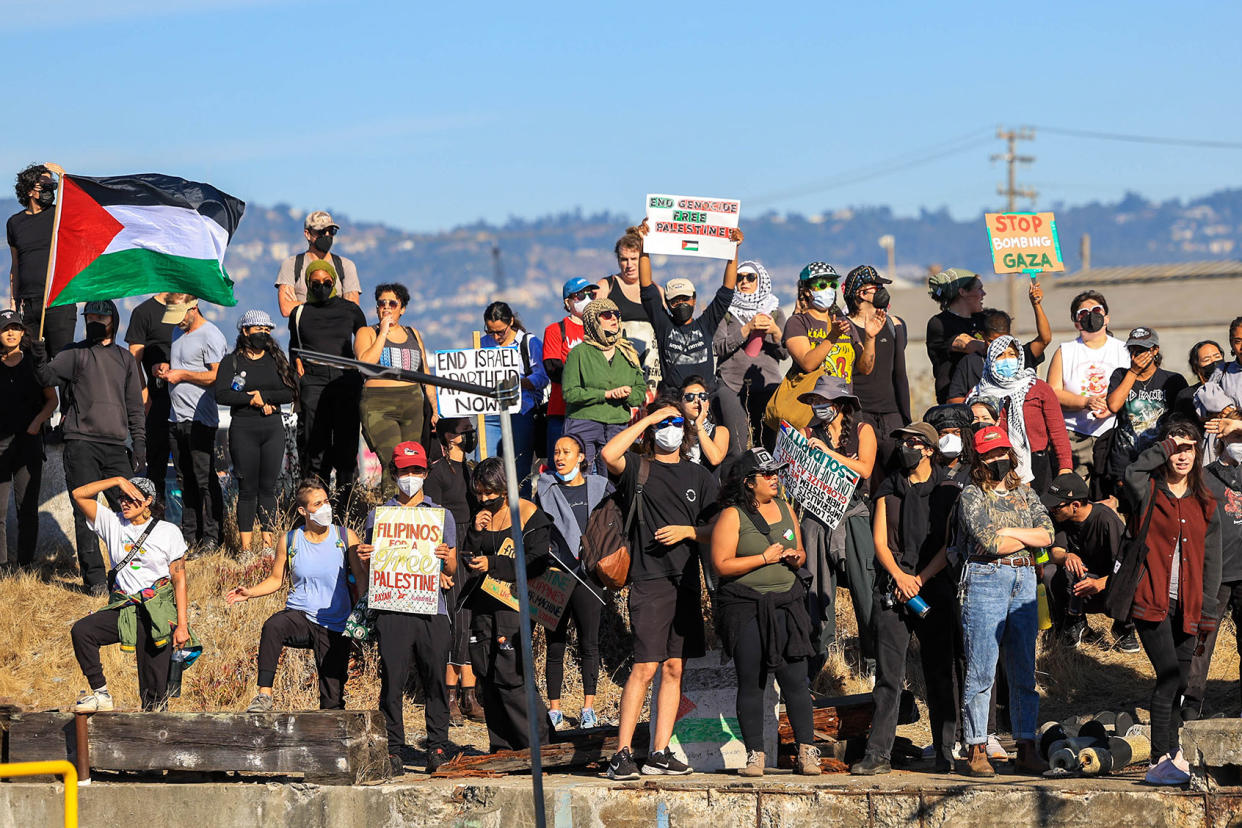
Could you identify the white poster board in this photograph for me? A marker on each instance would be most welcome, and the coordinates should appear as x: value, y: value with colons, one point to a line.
x: 814, y: 480
x: 691, y: 226
x: 405, y: 572
x: 481, y: 366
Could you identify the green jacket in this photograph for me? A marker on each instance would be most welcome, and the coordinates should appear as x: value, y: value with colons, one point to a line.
x: 588, y: 375
x: 160, y: 616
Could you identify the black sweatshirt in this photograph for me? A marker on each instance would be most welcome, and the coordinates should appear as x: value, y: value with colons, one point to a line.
x: 261, y: 376
x: 105, y: 393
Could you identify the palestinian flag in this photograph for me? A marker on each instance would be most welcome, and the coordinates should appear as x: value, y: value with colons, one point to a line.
x: 688, y: 245
x: 127, y: 235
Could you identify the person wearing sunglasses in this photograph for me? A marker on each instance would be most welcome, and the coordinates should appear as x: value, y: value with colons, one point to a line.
x: 150, y: 341
x: 291, y: 285
x: 711, y: 444
x: 393, y: 411
x: 1079, y: 373
x: 602, y: 381
x: 749, y: 353
x: 674, y: 508
x: 559, y: 339
x: 254, y: 381
x: 505, y: 330
x: 624, y: 290
x: 957, y: 329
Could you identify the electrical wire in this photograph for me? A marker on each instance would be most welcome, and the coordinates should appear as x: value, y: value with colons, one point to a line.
x: 1140, y: 139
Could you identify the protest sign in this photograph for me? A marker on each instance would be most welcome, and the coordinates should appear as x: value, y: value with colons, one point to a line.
x: 814, y: 480
x: 405, y: 572
x: 481, y: 366
x: 689, y: 226
x: 547, y: 594
x: 1024, y: 242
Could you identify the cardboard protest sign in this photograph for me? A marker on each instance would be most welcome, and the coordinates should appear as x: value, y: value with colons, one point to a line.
x: 814, y: 480
x: 690, y: 226
x: 547, y: 594
x: 405, y: 572
x: 1024, y: 242
x: 481, y: 366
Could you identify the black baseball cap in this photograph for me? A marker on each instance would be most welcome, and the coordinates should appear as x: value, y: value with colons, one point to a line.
x: 1066, y: 487
x: 8, y: 318
x: 757, y: 460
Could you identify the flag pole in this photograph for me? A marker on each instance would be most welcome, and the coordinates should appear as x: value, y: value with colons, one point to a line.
x: 51, y: 256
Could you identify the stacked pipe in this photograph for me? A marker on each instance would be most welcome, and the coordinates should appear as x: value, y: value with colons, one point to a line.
x: 1102, y: 744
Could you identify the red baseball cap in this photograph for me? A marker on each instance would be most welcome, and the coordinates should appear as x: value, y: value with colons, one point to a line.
x: 409, y: 454
x: 991, y: 437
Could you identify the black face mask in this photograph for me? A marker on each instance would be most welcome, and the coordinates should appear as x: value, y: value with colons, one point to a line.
x: 257, y: 341
x: 323, y: 243
x: 469, y: 440
x: 320, y: 292
x: 96, y: 331
x: 910, y: 457
x: 881, y: 298
x: 1205, y: 373
x: 999, y: 469
x: 491, y: 504
x: 1093, y: 322
x: 681, y: 313
x: 47, y: 198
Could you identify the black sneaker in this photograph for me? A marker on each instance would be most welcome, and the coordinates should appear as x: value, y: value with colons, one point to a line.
x: 870, y: 766
x: 437, y: 757
x: 1128, y: 643
x: 621, y: 766
x: 398, y: 767
x: 1072, y: 635
x: 663, y: 762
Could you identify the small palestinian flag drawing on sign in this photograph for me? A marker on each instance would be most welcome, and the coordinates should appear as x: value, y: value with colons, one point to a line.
x: 692, y: 246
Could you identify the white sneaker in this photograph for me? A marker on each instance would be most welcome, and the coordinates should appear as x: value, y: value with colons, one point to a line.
x: 995, y: 752
x: 959, y: 753
x: 96, y: 701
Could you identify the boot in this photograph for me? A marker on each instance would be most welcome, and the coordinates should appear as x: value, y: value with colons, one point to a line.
x: 1029, y: 760
x: 977, y: 763
x: 455, y: 718
x: 755, y: 762
x: 471, y: 707
x: 807, y: 763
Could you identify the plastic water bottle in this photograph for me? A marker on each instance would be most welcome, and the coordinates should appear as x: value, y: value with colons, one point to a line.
x: 1045, y: 616
x: 239, y: 381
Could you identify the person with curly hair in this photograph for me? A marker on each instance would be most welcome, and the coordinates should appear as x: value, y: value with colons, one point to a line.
x: 30, y: 244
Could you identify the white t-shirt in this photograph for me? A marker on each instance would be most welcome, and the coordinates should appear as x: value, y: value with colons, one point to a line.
x: 163, y: 546
x: 1087, y: 371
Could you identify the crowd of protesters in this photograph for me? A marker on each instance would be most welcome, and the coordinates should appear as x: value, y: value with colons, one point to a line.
x: 1109, y: 485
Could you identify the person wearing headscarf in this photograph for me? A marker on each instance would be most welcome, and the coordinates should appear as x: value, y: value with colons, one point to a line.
x: 602, y: 381
x: 1029, y: 413
x: 749, y: 353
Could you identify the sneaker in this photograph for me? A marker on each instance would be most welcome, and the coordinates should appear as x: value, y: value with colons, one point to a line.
x: 664, y: 762
x: 437, y: 757
x: 1128, y: 643
x: 589, y: 719
x: 557, y: 719
x: 261, y: 703
x: 959, y: 752
x: 996, y: 753
x: 1072, y: 635
x: 96, y: 701
x: 621, y: 766
x: 1166, y: 772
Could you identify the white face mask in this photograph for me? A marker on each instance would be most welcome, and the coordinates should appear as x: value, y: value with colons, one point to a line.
x: 823, y: 299
x: 669, y: 438
x: 1234, y: 452
x: 950, y: 445
x: 580, y: 306
x: 323, y: 515
x: 411, y: 484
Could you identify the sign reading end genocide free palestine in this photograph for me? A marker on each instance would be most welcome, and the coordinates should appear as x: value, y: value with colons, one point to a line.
x: 405, y: 572
x: 691, y: 226
x: 1024, y: 242
x: 481, y: 366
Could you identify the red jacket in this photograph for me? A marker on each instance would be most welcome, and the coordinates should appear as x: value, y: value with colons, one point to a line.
x: 1045, y: 425
x: 556, y: 350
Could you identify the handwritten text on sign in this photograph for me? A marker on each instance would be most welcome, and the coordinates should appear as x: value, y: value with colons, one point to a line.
x: 690, y: 226
x: 814, y: 480
x: 547, y: 593
x: 405, y: 572
x: 481, y: 366
x: 1024, y: 241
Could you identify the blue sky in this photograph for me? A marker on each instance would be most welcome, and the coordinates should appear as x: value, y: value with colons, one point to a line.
x: 429, y: 115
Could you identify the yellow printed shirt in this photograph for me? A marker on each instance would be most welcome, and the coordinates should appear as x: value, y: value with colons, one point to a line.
x: 840, y: 359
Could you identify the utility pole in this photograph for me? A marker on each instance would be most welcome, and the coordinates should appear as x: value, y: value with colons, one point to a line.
x: 498, y: 270
x: 1012, y: 193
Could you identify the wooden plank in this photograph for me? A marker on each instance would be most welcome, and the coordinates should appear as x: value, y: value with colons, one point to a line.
x: 572, y: 748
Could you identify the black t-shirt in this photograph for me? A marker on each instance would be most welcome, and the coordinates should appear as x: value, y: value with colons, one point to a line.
x: 942, y: 329
x: 147, y: 328
x: 1097, y: 540
x: 970, y: 370
x: 676, y: 494
x: 576, y: 497
x: 22, y: 394
x: 248, y: 375
x: 886, y: 390
x: 1142, y: 414
x: 31, y: 236
x: 448, y: 484
x: 918, y: 516
x: 686, y: 350
x: 328, y: 328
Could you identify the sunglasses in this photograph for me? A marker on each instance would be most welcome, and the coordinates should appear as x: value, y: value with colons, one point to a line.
x: 748, y: 277
x: 589, y: 293
x: 608, y: 314
x: 387, y: 303
x: 327, y: 231
x: 670, y: 421
x: 500, y: 334
x: 820, y: 284
x: 691, y: 396
x: 770, y: 475
x: 1085, y: 312
x: 914, y: 442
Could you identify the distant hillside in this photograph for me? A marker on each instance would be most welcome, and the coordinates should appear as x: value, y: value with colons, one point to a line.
x: 451, y: 275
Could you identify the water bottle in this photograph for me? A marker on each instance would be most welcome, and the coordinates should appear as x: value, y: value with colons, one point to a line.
x: 239, y: 381
x: 175, y: 668
x: 1045, y: 616
x: 1041, y: 555
x: 918, y: 606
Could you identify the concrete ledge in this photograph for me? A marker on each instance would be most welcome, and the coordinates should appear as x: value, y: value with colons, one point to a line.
x: 1213, y: 747
x: 900, y: 799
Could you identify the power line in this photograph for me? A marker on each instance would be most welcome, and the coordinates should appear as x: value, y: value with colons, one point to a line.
x: 1141, y: 139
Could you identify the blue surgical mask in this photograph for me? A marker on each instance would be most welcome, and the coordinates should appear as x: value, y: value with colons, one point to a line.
x: 823, y: 299
x: 568, y: 478
x: 1006, y: 368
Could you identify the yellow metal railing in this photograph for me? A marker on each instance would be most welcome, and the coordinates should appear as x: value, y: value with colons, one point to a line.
x: 60, y: 768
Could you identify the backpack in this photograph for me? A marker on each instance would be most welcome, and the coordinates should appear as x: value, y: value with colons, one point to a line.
x: 607, y: 542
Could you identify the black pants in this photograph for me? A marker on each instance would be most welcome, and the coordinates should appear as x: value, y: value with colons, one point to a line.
x: 586, y: 611
x: 194, y: 457
x: 496, y: 653
x: 158, y: 438
x: 21, y: 471
x: 99, y: 629
x: 328, y: 428
x: 87, y: 462
x: 58, y: 326
x: 1230, y: 596
x: 257, y: 448
x: 886, y: 444
x: 424, y: 640
x: 1170, y: 651
x: 937, y: 637
x: 291, y: 628
x: 1067, y: 608
x: 750, y: 660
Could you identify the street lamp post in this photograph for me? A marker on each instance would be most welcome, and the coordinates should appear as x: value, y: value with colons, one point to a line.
x: 889, y: 243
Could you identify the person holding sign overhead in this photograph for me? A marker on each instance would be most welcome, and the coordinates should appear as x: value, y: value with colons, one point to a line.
x: 403, y: 636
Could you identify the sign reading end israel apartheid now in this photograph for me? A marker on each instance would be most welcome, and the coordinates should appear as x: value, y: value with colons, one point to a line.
x: 814, y: 480
x: 481, y: 366
x: 405, y: 572
x: 1024, y: 242
x: 546, y: 593
x: 691, y: 226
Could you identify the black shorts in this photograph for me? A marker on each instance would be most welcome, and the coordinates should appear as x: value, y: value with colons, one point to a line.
x: 666, y: 617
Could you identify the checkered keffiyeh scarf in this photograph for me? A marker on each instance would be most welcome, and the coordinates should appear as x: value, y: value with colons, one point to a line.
x: 1012, y: 392
x: 745, y: 306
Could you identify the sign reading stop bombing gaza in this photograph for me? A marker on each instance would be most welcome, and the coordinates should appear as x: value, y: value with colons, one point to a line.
x: 1024, y: 242
x: 691, y: 226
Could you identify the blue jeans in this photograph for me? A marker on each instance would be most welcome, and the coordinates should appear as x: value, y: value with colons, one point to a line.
x: 593, y: 436
x: 999, y: 606
x: 523, y: 444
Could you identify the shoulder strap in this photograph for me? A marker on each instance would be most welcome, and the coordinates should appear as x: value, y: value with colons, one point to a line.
x: 340, y: 271
x: 644, y: 472
x: 137, y: 547
x: 290, y: 549
x: 298, y: 261
x: 1151, y: 508
x: 564, y: 335
x: 524, y: 350
x: 297, y: 324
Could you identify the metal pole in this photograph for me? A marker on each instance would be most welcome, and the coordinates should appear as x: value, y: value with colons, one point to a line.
x: 528, y: 656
